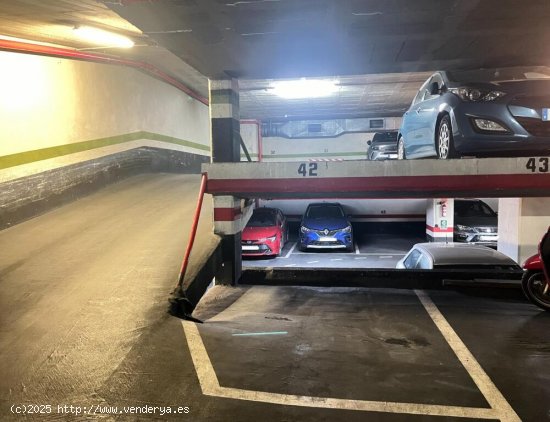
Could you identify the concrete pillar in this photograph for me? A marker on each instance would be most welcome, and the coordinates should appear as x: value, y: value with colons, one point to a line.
x: 440, y: 220
x: 521, y: 224
x: 225, y: 126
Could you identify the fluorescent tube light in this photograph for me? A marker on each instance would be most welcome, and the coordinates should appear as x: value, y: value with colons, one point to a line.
x: 305, y: 88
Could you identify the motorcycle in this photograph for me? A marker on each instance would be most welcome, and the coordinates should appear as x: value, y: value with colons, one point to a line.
x: 536, y: 281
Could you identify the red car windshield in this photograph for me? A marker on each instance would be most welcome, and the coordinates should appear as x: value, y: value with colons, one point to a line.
x: 262, y: 219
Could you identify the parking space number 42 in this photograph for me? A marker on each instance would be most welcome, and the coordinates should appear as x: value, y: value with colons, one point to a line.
x: 309, y: 169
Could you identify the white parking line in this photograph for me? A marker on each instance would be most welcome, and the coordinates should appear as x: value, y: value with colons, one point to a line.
x: 494, y: 397
x: 290, y: 251
x: 210, y: 386
x: 361, y: 257
x: 386, y: 256
x: 312, y: 262
x: 290, y: 265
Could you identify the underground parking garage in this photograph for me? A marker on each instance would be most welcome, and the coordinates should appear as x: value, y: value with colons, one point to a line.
x: 190, y: 227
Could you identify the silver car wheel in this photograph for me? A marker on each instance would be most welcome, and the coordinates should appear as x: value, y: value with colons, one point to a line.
x: 400, y: 149
x: 444, y: 140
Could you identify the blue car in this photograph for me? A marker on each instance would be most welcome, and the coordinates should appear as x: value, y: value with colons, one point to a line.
x: 487, y: 112
x: 325, y: 226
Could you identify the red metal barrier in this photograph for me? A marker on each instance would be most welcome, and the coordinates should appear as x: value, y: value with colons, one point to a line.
x: 193, y: 233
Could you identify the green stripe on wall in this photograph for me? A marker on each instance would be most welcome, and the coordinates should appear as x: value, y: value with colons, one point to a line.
x: 26, y: 157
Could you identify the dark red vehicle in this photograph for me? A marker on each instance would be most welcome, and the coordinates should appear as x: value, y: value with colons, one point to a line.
x: 536, y: 280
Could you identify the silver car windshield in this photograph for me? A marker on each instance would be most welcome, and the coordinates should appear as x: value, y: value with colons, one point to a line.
x: 500, y: 74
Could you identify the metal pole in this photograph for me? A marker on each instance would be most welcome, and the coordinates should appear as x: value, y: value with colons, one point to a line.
x: 193, y: 233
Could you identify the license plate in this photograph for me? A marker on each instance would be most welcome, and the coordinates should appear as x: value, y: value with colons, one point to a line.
x: 546, y: 114
x: 327, y: 239
x: 250, y: 248
x: 487, y: 238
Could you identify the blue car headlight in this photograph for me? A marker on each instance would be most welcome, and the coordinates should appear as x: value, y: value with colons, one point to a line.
x: 347, y: 229
x: 469, y: 94
x: 304, y: 229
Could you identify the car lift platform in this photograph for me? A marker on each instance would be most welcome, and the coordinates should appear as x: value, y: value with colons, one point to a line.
x: 428, y: 178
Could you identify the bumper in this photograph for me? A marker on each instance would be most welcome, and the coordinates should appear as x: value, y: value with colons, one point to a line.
x: 383, y: 155
x: 476, y: 238
x: 259, y: 249
x: 524, y: 135
x: 337, y: 241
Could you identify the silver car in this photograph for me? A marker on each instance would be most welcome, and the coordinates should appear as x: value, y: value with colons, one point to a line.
x: 383, y: 146
x: 456, y: 256
x: 475, y: 222
x: 487, y: 112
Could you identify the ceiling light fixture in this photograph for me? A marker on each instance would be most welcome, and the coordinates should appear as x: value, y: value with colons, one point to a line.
x: 102, y: 37
x: 305, y: 88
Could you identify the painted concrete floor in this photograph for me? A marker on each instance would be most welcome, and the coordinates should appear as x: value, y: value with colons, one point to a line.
x: 83, y: 324
x: 372, y: 250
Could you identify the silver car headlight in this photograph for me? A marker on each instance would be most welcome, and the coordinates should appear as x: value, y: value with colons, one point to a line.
x: 347, y: 229
x: 467, y: 229
x: 304, y: 229
x: 476, y: 95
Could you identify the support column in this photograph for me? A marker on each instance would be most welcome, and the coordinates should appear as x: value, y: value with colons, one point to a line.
x: 521, y: 224
x: 225, y: 129
x: 440, y: 220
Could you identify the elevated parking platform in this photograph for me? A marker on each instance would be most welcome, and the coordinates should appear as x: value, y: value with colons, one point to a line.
x: 381, y: 278
x: 488, y: 177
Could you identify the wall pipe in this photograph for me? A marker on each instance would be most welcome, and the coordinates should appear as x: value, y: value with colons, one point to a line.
x: 30, y: 48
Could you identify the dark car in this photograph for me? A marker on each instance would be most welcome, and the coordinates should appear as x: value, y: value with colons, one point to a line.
x: 456, y: 256
x: 325, y: 226
x: 265, y: 233
x: 475, y: 222
x: 486, y: 112
x: 383, y: 146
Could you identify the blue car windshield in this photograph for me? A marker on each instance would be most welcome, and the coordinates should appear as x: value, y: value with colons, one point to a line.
x: 500, y: 74
x: 261, y: 219
x: 325, y: 211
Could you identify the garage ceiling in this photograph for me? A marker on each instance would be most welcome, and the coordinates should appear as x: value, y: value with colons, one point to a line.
x: 379, y: 50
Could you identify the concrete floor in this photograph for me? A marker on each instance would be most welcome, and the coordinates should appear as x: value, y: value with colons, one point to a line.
x: 83, y: 302
x: 372, y: 250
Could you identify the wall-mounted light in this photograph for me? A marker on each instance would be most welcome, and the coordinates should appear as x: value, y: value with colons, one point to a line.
x: 305, y: 88
x: 102, y: 37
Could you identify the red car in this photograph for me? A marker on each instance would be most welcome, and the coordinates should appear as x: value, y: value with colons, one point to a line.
x: 265, y: 234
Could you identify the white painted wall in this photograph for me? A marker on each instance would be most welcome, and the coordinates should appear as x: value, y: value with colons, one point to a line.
x: 521, y: 224
x: 350, y: 146
x: 440, y: 215
x: 360, y: 210
x: 250, y: 132
x: 51, y: 102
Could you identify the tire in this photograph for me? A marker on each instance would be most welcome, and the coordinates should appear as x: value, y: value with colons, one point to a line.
x: 401, y: 155
x: 444, y: 144
x: 536, y: 289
